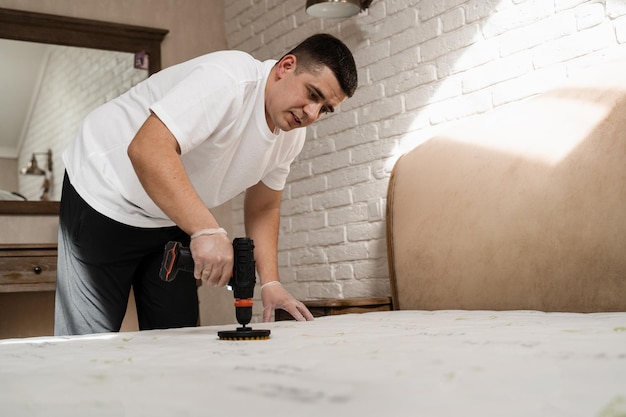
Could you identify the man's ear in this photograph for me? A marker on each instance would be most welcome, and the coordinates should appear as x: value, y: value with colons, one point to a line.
x: 286, y: 64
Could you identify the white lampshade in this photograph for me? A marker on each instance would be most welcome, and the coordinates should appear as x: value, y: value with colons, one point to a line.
x: 333, y: 9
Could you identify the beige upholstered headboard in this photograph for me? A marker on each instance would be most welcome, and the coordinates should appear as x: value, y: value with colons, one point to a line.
x: 523, y: 207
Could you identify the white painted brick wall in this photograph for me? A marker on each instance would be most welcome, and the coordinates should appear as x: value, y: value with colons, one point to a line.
x: 76, y: 81
x: 422, y: 63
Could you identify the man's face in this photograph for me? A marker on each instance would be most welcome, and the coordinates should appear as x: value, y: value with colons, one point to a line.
x: 297, y: 99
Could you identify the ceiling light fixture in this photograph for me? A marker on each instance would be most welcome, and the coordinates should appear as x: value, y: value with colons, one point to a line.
x: 335, y: 9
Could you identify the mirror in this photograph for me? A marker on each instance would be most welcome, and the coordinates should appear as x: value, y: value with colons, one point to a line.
x: 84, y: 33
x: 47, y: 90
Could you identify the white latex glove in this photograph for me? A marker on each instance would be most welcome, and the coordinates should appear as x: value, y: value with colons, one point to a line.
x: 213, y: 259
x: 275, y: 296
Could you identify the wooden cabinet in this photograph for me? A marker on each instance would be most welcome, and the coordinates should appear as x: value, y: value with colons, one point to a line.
x: 27, y: 284
x: 28, y: 267
x: 333, y: 306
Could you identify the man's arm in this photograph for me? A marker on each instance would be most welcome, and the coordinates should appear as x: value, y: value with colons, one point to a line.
x: 262, y: 220
x: 155, y: 155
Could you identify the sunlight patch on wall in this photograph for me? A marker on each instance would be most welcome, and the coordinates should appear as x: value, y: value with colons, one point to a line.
x: 514, y: 53
x: 545, y: 129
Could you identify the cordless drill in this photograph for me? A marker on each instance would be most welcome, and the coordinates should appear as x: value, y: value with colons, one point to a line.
x: 178, y: 258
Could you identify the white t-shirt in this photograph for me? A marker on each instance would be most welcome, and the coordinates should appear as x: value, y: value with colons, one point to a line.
x: 214, y: 105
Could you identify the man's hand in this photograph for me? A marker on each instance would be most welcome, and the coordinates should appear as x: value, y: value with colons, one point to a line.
x: 213, y: 259
x: 275, y: 296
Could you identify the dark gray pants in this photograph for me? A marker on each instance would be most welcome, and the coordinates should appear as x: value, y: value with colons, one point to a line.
x: 101, y: 259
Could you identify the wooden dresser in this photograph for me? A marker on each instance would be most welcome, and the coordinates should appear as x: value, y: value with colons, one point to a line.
x: 27, y: 267
x: 27, y: 284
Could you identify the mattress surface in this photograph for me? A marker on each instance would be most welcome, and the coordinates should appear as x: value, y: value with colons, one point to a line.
x: 398, y: 363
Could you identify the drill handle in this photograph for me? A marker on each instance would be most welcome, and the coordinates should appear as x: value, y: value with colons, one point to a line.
x: 176, y: 258
x: 244, y: 268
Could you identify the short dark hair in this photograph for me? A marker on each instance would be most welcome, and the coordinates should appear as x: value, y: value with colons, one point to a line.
x: 325, y: 50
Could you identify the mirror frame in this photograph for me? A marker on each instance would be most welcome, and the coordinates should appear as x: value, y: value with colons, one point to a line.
x: 85, y: 33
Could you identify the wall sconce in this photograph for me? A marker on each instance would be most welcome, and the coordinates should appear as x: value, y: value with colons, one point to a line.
x: 336, y: 9
x: 33, y: 169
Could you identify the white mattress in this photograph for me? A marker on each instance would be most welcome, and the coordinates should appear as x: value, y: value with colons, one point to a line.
x: 401, y: 363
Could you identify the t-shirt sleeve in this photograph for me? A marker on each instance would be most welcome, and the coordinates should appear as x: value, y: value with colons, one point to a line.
x: 198, y: 105
x: 290, y: 148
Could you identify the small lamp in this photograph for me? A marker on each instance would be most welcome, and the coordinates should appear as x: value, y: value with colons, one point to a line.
x: 33, y: 169
x: 335, y: 9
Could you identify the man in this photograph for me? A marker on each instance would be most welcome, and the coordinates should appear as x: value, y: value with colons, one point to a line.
x: 147, y: 167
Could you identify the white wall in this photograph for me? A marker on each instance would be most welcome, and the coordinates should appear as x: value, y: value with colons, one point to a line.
x: 421, y: 64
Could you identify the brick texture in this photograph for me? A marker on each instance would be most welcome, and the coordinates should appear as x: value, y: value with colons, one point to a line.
x: 422, y: 64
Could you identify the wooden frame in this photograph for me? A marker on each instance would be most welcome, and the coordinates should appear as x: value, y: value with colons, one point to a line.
x: 85, y: 33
